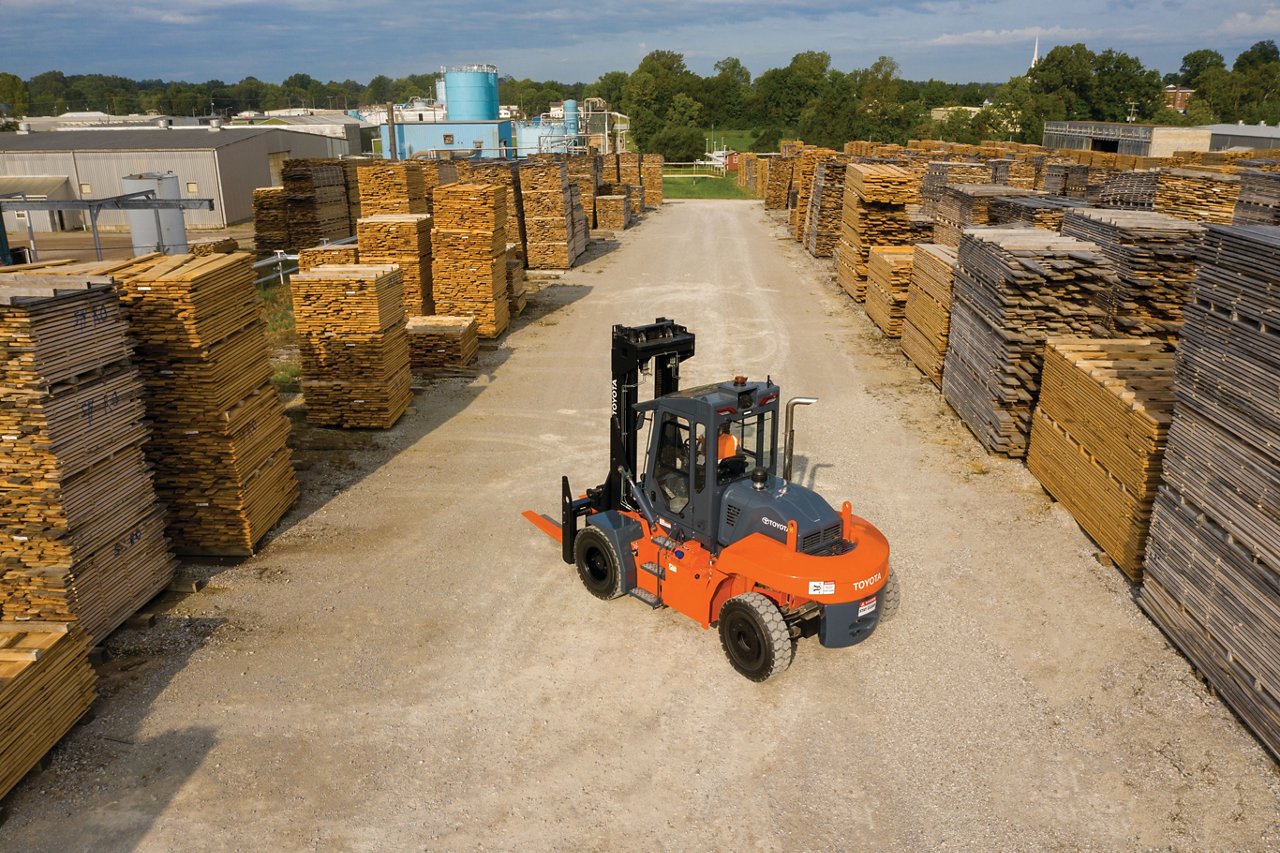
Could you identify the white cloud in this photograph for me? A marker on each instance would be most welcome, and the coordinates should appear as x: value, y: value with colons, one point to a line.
x: 1267, y: 23
x: 1023, y: 34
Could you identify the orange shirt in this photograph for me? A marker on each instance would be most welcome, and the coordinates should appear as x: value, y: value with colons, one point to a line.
x: 726, y: 446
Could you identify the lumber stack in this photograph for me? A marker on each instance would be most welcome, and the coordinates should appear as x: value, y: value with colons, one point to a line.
x: 888, y: 280
x: 584, y: 171
x: 629, y: 169
x: 319, y: 256
x: 580, y: 234
x: 826, y: 206
x: 270, y: 221
x: 506, y: 174
x: 874, y: 213
x: 1013, y: 289
x: 46, y: 686
x: 1033, y: 211
x: 651, y: 178
x: 1197, y: 195
x: 469, y: 261
x: 1155, y: 259
x: 763, y: 166
x: 1259, y: 201
x: 84, y: 532
x: 544, y: 192
x: 392, y: 188
x: 353, y: 345
x: 613, y: 212
x: 805, y: 170
x: 219, y: 432
x: 316, y: 201
x: 1098, y: 437
x: 351, y: 184
x: 943, y: 173
x: 747, y: 174
x: 442, y: 343
x: 777, y: 185
x: 1066, y: 179
x: 224, y: 246
x: 516, y: 282
x: 965, y: 205
x: 927, y: 315
x: 1130, y: 190
x: 403, y: 239
x: 1213, y: 556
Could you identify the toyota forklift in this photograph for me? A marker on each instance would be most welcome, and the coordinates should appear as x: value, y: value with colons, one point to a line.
x: 711, y: 526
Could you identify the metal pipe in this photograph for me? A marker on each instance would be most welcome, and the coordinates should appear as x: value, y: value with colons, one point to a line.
x: 790, y: 431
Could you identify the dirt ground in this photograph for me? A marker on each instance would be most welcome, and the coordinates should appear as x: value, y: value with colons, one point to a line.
x: 409, y: 665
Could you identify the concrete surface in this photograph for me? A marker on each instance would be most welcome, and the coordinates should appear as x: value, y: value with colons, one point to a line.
x: 409, y: 665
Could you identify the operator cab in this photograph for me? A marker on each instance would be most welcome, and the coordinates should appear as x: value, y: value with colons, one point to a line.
x: 702, y: 441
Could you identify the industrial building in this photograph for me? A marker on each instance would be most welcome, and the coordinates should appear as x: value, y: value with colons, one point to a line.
x: 334, y: 124
x: 1226, y: 136
x: 221, y: 163
x: 1137, y: 140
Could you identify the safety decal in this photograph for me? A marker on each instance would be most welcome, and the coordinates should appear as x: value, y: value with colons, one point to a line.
x: 822, y: 587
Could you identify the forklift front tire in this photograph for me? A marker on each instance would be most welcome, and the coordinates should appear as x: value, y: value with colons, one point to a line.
x: 598, y: 564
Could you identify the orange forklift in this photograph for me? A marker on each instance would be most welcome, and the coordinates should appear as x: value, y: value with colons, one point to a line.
x: 711, y: 526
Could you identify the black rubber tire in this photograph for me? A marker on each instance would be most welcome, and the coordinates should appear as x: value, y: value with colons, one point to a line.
x: 755, y: 637
x: 889, y: 597
x: 598, y: 564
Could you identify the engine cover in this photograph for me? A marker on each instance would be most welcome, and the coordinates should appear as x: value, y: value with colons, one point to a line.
x: 745, y: 510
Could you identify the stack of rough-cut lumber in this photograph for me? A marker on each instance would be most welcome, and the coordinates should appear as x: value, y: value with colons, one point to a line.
x: 941, y: 174
x: 651, y: 174
x: 224, y: 246
x: 966, y: 205
x: 1066, y: 179
x: 777, y: 185
x: 442, y: 343
x: 580, y: 234
x: 270, y: 220
x: 927, y: 316
x: 403, y: 239
x: 1259, y: 201
x: 544, y: 192
x: 219, y: 432
x: 353, y: 345
x: 630, y: 170
x: 1155, y: 259
x: 469, y: 261
x: 1130, y: 190
x: 874, y: 214
x: 826, y: 204
x: 1213, y: 557
x: 1098, y: 437
x: 888, y: 280
x: 351, y: 183
x: 319, y: 256
x: 584, y: 171
x: 613, y: 212
x: 746, y: 177
x: 1036, y: 211
x: 402, y: 187
x: 1013, y: 173
x: 763, y: 166
x: 516, y: 299
x: 1197, y: 195
x: 806, y: 169
x: 83, y: 530
x: 316, y: 198
x: 506, y: 174
x: 1013, y: 289
x: 46, y: 686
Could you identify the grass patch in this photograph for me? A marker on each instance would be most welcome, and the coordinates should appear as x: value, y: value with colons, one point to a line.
x: 277, y: 307
x: 725, y: 187
x: 288, y: 376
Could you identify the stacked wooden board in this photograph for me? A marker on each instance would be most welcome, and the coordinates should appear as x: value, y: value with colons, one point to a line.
x: 1098, y: 437
x: 1213, y: 556
x: 316, y: 201
x: 1129, y: 190
x: 805, y: 169
x: 469, y: 262
x: 319, y: 256
x: 826, y: 206
x: 927, y: 316
x: 516, y: 281
x: 1197, y: 195
x: 584, y: 171
x: 223, y: 246
x: 271, y: 220
x: 941, y: 174
x: 777, y: 188
x: 46, y: 686
x: 441, y: 344
x: 1034, y: 211
x: 219, y: 432
x: 1259, y: 201
x: 613, y: 212
x: 651, y: 178
x: 353, y: 345
x: 580, y: 233
x: 1065, y: 179
x: 965, y: 205
x: 83, y: 529
x: 1155, y: 259
x: 548, y: 214
x: 403, y: 239
x: 504, y: 173
x: 763, y: 166
x: 392, y: 187
x: 630, y: 170
x: 888, y: 281
x: 874, y: 213
x: 1013, y: 289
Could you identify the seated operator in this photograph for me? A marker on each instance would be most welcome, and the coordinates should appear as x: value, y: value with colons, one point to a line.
x: 726, y: 443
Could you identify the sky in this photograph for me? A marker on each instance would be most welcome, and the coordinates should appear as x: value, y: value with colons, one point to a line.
x: 953, y: 40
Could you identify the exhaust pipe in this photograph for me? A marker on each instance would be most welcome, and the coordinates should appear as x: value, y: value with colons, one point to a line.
x: 789, y: 429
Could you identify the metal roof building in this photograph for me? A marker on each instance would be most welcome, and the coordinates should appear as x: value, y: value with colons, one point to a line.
x: 1226, y: 136
x: 225, y: 164
x: 1139, y: 140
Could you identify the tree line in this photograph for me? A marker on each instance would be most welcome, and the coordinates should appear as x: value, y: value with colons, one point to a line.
x: 671, y: 106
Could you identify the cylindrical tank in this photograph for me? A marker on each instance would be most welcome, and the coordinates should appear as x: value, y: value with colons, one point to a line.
x: 571, y: 121
x: 156, y: 230
x: 472, y: 93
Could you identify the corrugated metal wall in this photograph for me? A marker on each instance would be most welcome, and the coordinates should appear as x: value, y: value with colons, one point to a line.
x: 245, y: 166
x: 103, y: 170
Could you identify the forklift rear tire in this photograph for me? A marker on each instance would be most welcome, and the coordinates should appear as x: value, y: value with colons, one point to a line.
x: 755, y: 637
x: 598, y: 564
x: 889, y: 597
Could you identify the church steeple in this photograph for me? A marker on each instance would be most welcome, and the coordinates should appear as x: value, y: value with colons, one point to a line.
x: 1035, y: 54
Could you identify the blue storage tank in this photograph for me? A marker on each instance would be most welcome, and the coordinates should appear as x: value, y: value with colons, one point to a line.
x: 471, y: 93
x: 571, y: 121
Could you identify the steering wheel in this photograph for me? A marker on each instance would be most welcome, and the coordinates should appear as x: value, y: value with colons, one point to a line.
x: 732, y: 466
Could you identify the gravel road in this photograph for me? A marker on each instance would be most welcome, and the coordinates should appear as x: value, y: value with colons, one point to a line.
x: 409, y: 664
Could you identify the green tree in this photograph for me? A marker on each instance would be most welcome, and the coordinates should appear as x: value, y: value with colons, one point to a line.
x: 1121, y: 87
x: 1260, y: 53
x: 678, y: 144
x: 13, y: 91
x: 1196, y: 63
x: 610, y: 87
x: 1067, y: 74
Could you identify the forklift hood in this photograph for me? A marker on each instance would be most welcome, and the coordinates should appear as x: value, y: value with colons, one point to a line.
x: 745, y: 510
